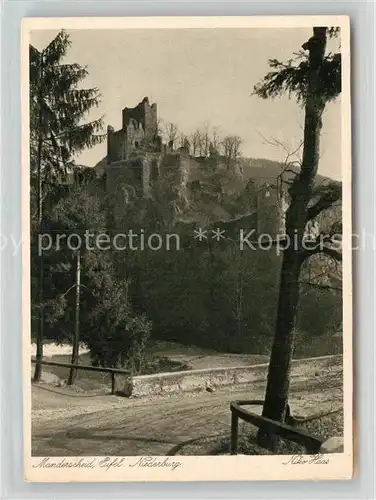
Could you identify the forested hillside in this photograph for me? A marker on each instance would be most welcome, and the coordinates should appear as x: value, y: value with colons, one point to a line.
x: 208, y: 293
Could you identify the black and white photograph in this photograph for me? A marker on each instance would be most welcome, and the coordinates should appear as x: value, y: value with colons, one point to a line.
x: 187, y: 268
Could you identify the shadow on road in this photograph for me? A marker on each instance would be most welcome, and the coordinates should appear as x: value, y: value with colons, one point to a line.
x: 70, y: 395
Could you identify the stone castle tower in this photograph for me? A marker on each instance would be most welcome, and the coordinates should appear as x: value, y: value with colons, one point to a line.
x: 134, y: 155
x: 144, y: 114
x: 139, y: 130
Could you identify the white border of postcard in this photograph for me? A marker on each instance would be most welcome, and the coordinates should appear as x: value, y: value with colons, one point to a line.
x: 199, y: 468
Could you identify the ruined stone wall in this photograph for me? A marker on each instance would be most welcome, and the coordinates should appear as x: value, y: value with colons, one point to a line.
x: 174, y: 172
x: 199, y: 380
x: 116, y: 144
x: 129, y: 171
x: 143, y: 113
x: 132, y: 178
x: 139, y: 125
x: 123, y: 142
x: 135, y: 136
x: 175, y: 167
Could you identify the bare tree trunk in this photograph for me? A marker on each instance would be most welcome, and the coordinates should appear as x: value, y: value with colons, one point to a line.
x: 281, y: 356
x: 278, y: 382
x: 76, y: 339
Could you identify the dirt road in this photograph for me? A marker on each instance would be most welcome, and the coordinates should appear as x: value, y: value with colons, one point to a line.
x: 74, y: 425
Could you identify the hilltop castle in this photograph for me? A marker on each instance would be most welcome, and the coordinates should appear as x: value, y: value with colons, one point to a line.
x: 139, y: 131
x: 137, y: 159
x: 136, y: 156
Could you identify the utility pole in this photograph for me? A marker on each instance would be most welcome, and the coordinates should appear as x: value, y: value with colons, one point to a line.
x: 76, y: 338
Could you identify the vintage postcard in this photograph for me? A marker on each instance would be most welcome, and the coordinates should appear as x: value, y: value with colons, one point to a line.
x: 187, y: 290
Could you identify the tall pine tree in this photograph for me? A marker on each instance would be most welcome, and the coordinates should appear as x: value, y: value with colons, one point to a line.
x: 58, y: 132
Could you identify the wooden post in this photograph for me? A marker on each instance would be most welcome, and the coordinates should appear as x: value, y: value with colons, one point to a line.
x: 76, y: 339
x: 234, y: 433
x: 112, y: 383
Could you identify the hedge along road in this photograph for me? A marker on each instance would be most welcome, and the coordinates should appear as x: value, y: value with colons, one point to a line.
x: 67, y: 425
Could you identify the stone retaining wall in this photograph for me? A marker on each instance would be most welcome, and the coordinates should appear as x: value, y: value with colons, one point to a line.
x: 196, y: 380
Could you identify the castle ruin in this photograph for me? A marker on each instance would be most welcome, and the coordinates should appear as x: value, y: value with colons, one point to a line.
x: 137, y: 160
x: 139, y: 131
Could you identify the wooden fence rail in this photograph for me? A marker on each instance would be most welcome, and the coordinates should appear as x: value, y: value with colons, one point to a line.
x: 112, y: 371
x: 300, y: 436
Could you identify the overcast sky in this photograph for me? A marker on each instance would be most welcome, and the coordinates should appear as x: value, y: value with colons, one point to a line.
x: 199, y: 76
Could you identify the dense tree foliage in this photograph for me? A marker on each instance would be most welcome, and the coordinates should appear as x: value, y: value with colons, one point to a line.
x: 206, y: 294
x: 58, y: 108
